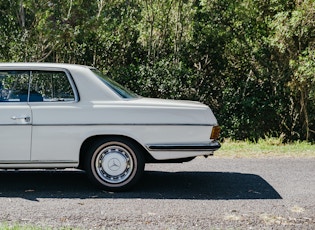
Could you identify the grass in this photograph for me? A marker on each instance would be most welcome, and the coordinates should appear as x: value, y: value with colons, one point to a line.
x: 17, y: 227
x: 267, y: 147
x: 5, y: 226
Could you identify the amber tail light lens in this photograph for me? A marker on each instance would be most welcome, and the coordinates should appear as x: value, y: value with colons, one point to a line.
x: 215, y: 132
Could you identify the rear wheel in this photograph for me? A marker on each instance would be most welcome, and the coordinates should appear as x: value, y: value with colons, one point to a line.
x: 115, y: 164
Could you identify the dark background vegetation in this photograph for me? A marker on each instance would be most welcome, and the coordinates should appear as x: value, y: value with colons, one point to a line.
x: 251, y: 61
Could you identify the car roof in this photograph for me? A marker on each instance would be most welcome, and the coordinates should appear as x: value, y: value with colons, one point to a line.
x: 80, y: 71
x: 30, y: 65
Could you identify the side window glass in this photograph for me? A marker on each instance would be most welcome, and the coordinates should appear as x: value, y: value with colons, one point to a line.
x: 50, y: 86
x: 14, y: 86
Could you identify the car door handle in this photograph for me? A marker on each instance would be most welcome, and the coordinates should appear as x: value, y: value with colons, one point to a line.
x: 25, y: 118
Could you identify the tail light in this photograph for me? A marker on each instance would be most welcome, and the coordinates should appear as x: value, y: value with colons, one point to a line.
x: 215, y: 132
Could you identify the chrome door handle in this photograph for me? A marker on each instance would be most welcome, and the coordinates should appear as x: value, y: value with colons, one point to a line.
x: 25, y: 118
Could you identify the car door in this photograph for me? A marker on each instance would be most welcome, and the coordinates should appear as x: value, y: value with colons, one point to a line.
x: 53, y: 102
x: 15, y: 117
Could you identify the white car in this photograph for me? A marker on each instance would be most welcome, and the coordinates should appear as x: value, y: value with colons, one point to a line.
x: 72, y: 116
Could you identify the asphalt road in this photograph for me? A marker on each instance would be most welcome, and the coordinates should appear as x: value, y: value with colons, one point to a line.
x: 213, y: 193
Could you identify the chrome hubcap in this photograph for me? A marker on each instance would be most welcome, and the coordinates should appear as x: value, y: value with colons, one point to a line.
x: 114, y: 164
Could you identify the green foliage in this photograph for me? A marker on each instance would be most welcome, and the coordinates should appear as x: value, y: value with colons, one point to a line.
x: 294, y: 39
x: 252, y: 61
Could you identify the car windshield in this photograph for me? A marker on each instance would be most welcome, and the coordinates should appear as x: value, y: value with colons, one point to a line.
x: 117, y: 88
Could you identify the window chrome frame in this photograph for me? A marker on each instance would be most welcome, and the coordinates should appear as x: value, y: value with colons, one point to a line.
x: 30, y: 70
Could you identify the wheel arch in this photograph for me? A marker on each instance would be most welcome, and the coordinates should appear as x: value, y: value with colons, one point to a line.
x: 92, y: 139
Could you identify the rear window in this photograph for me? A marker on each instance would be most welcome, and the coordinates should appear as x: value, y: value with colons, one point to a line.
x: 116, y: 87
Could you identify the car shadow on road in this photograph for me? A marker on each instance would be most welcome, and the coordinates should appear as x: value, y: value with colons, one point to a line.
x: 59, y: 184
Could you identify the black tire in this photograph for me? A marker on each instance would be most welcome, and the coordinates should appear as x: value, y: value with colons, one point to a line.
x: 114, y: 164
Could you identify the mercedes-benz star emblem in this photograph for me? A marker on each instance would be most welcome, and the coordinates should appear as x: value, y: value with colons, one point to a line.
x: 114, y: 164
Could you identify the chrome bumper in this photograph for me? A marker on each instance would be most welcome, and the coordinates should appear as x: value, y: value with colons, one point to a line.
x: 209, y: 146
